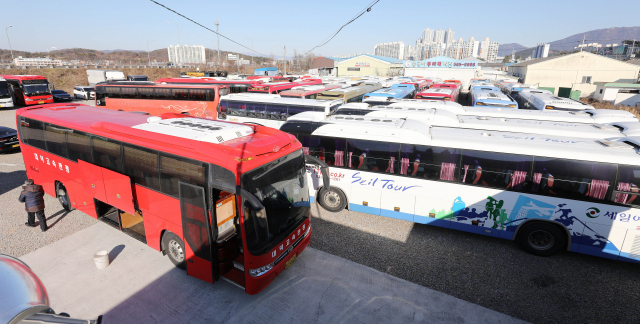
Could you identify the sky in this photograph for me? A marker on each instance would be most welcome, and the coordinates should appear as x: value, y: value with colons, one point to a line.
x: 269, y: 26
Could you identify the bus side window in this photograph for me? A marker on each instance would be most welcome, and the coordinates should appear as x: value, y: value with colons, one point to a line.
x: 198, y: 94
x: 56, y: 140
x: 174, y: 169
x: 498, y: 170
x: 276, y: 111
x: 106, y: 153
x: 128, y: 93
x: 626, y: 190
x: 255, y: 110
x: 328, y: 149
x: 373, y: 156
x: 33, y: 131
x: 236, y: 108
x: 433, y: 163
x: 163, y: 93
x: 79, y: 146
x: 180, y: 94
x: 142, y: 165
x: 146, y: 93
x: 572, y: 179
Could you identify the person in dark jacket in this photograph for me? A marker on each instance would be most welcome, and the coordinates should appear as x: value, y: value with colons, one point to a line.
x: 32, y: 196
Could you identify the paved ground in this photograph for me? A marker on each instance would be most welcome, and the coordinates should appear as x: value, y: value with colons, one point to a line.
x: 142, y: 286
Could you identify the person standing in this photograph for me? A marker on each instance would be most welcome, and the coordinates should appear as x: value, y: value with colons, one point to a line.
x: 32, y: 196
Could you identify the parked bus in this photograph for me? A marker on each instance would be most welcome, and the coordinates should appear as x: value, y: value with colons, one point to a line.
x: 29, y: 89
x: 548, y: 193
x: 270, y: 110
x: 434, y: 93
x: 419, y: 85
x: 482, y: 87
x: 277, y: 87
x: 6, y: 100
x: 445, y: 118
x: 350, y: 94
x: 494, y: 99
x: 545, y: 101
x: 208, y: 74
x: 157, y: 99
x: 223, y: 200
x: 307, y: 92
x: 235, y: 86
x: 397, y: 91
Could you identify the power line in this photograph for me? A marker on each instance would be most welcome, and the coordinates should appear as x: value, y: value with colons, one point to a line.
x: 360, y: 13
x: 207, y: 28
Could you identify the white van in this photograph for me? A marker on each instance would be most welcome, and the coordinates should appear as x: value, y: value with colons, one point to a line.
x: 6, y: 97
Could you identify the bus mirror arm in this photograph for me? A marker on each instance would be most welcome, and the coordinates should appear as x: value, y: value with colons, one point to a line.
x: 324, y: 168
x: 259, y: 215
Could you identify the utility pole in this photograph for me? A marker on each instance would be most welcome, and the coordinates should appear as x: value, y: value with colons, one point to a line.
x: 582, y: 43
x: 149, y: 56
x: 285, y: 59
x: 218, y: 37
x: 6, y: 31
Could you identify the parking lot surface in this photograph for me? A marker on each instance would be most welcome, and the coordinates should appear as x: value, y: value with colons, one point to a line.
x: 142, y: 286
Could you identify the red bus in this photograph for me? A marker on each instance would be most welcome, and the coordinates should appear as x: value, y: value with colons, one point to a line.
x: 29, y: 89
x: 307, y: 92
x: 453, y: 86
x: 234, y: 86
x: 277, y: 87
x: 223, y: 200
x: 157, y: 99
x: 438, y: 94
x: 271, y: 78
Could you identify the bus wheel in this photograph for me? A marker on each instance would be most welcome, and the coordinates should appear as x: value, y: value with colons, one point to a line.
x: 541, y: 238
x: 63, y: 197
x: 174, y: 248
x: 332, y: 199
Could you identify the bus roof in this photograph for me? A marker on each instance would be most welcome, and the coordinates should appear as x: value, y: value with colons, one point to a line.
x: 301, y: 91
x: 436, y: 91
x: 23, y: 77
x: 206, y: 80
x: 349, y: 91
x: 408, y: 131
x: 149, y: 84
x: 198, y: 138
x: 394, y: 91
x: 491, y: 95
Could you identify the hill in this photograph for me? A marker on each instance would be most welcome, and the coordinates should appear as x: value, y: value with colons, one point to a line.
x: 507, y: 49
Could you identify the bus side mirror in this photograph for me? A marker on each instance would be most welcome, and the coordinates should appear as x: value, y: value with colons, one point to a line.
x: 324, y: 168
x: 258, y: 214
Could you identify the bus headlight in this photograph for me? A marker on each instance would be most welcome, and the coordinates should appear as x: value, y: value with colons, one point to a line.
x: 512, y: 106
x: 257, y: 272
x: 548, y: 107
x: 479, y: 104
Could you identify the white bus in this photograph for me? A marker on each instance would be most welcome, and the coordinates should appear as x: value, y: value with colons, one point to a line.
x: 545, y: 101
x: 6, y: 95
x: 444, y: 118
x: 548, y: 193
x: 268, y: 109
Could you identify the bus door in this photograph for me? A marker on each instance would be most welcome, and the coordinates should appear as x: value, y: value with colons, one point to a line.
x: 204, y: 260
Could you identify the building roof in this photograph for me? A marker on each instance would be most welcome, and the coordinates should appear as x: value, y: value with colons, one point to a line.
x: 534, y: 61
x: 540, y: 60
x: 618, y: 85
x: 267, y: 69
x: 381, y: 58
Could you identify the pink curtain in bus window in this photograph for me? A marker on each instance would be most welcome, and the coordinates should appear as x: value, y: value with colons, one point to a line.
x: 404, y: 166
x: 466, y: 168
x: 392, y: 161
x: 339, y: 158
x: 620, y: 197
x: 517, y: 179
x: 537, y: 177
x: 447, y: 170
x: 305, y: 150
x: 350, y: 154
x: 598, y: 189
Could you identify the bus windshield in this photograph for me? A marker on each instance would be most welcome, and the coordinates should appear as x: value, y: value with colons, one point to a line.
x: 282, y: 188
x: 36, y: 89
x: 4, y: 90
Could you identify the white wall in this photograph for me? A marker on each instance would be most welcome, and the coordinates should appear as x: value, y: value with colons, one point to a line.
x: 627, y: 99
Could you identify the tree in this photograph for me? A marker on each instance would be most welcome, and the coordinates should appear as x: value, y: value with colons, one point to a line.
x: 518, y: 58
x: 506, y: 59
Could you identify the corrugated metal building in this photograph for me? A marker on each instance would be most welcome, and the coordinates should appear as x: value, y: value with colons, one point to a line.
x: 367, y: 64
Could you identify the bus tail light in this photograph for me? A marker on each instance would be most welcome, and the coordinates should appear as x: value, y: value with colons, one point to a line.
x: 479, y: 104
x: 447, y: 98
x: 548, y: 107
x: 512, y: 106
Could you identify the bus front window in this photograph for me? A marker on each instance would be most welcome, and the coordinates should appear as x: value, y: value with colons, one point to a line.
x: 36, y: 89
x: 4, y: 90
x: 282, y: 189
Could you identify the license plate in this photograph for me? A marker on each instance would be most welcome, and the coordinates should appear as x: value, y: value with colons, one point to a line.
x: 40, y: 102
x: 16, y: 145
x: 290, y: 261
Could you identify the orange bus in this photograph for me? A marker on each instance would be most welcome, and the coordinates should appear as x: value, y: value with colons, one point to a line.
x: 157, y: 99
x: 222, y: 200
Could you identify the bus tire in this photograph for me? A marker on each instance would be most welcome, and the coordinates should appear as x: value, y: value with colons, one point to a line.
x: 332, y: 199
x: 63, y: 196
x: 541, y: 239
x: 174, y: 248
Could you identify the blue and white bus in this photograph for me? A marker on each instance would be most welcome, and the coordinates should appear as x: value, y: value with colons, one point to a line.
x: 494, y: 99
x: 396, y: 91
x: 548, y: 193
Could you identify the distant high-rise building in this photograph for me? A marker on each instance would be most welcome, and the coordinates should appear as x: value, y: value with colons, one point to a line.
x: 395, y: 50
x: 492, y: 52
x: 542, y: 50
x: 484, y: 48
x: 438, y: 36
x: 449, y: 36
x: 181, y: 54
